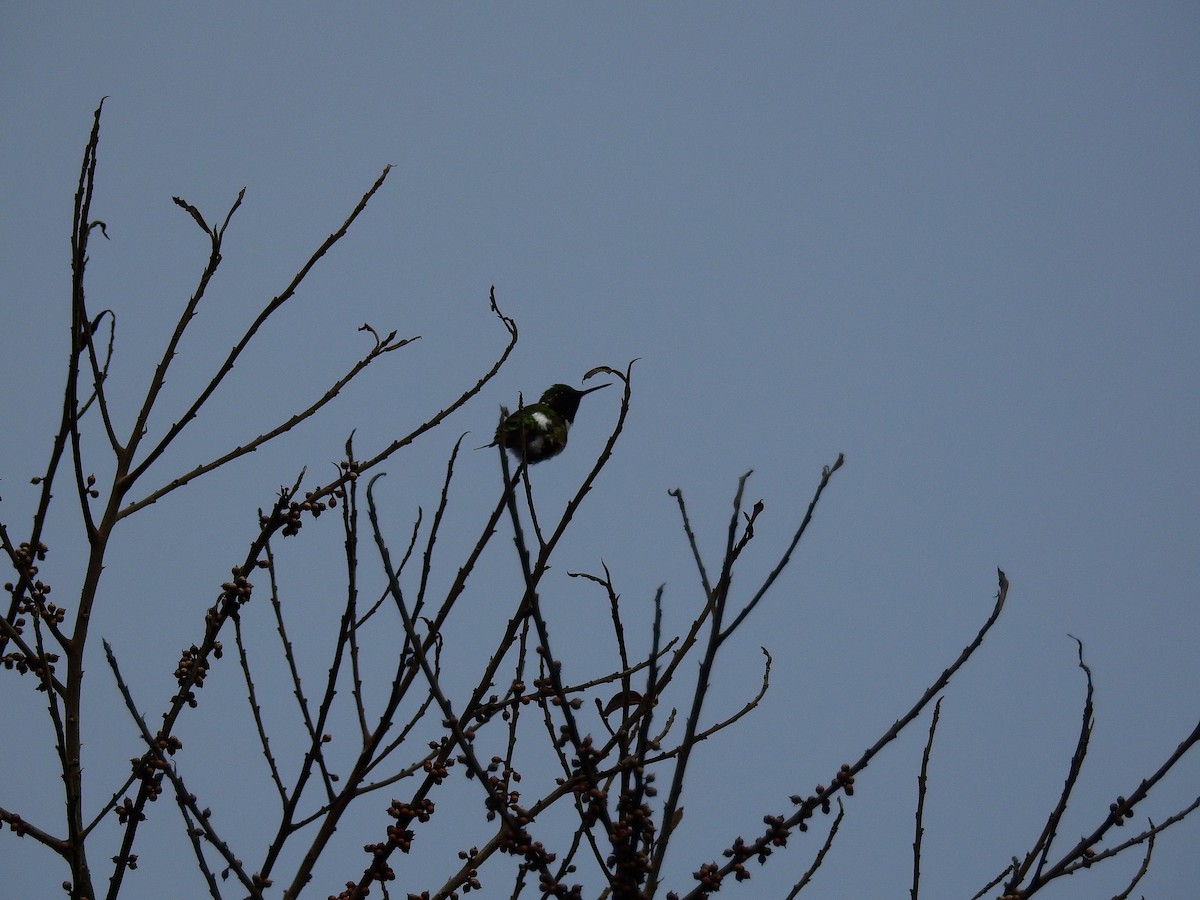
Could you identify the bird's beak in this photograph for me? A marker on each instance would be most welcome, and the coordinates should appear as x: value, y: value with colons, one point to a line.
x: 596, y: 388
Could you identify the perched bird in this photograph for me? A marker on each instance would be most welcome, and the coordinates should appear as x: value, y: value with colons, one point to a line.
x: 539, y: 431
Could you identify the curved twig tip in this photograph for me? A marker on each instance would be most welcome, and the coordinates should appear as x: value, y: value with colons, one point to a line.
x: 371, y: 483
x: 826, y: 471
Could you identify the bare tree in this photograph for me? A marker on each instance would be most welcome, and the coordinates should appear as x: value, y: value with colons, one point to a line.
x: 605, y: 739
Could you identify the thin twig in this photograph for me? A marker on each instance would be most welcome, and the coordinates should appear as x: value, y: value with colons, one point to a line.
x: 182, y: 794
x: 848, y: 771
x: 826, y: 474
x: 820, y: 858
x: 1046, y: 839
x: 922, y: 784
x: 282, y: 428
x: 227, y: 366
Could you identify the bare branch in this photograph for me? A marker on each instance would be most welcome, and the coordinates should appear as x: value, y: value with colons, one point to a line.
x: 826, y: 474
x: 820, y: 858
x: 185, y: 797
x: 385, y: 346
x: 844, y: 779
x: 227, y: 366
x: 1143, y: 868
x: 21, y: 828
x: 1046, y: 839
x: 922, y: 782
x: 1119, y: 810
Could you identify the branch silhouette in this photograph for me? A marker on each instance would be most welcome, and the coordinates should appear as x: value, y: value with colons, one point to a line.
x: 443, y: 674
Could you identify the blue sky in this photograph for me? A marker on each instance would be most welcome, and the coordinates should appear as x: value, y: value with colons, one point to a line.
x: 956, y: 242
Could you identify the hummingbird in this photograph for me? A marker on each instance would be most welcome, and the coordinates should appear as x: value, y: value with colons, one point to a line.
x: 539, y: 431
